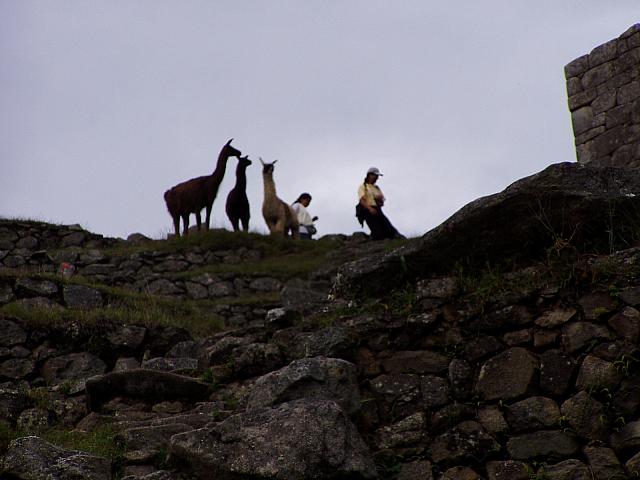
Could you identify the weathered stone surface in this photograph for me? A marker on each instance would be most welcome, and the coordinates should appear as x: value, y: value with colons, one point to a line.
x: 597, y: 373
x: 163, y: 286
x: 319, y: 377
x: 419, y: 470
x: 596, y: 304
x: 220, y: 351
x: 409, y: 431
x: 256, y: 359
x: 481, y: 347
x: 627, y: 398
x: 568, y: 470
x: 72, y: 367
x: 534, y: 413
x: 585, y: 415
x: 626, y: 324
x: 555, y: 317
x: 311, y: 439
x: 397, y: 388
x: 548, y: 444
x: 336, y: 342
x: 498, y: 231
x: 160, y: 339
x: 418, y: 362
x: 465, y: 440
x: 633, y: 465
x: 492, y: 420
x: 36, y: 287
x: 265, y: 284
x: 460, y: 473
x: 126, y: 363
x: 144, y: 384
x: 579, y: 335
x: 438, y: 288
x: 33, y: 420
x: 11, y: 333
x: 31, y: 458
x: 126, y: 338
x: 16, y: 368
x: 556, y: 372
x: 507, y: 470
x: 186, y: 349
x: 145, y: 443
x: 460, y: 378
x: 627, y: 439
x: 507, y: 375
x: 79, y: 296
x: 603, y: 463
x: 435, y: 391
x: 170, y: 364
x: 12, y: 402
x: 302, y: 295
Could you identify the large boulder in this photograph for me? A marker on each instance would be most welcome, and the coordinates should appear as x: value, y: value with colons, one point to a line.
x: 320, y: 377
x: 31, y: 458
x: 566, y: 202
x: 146, y: 385
x: 311, y: 439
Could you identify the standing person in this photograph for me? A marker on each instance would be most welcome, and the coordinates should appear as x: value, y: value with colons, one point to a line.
x: 307, y: 228
x: 371, y: 200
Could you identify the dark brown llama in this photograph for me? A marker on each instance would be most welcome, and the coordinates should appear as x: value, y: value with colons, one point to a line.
x: 198, y: 193
x: 237, y: 206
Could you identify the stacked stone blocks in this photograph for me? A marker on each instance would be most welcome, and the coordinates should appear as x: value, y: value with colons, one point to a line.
x: 604, y: 99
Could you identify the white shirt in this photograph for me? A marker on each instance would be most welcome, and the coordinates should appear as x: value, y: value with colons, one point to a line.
x: 303, y: 216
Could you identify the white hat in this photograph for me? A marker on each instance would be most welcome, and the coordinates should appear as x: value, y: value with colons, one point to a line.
x: 375, y: 171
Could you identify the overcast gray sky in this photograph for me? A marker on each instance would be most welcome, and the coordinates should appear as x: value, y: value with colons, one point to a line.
x: 104, y: 104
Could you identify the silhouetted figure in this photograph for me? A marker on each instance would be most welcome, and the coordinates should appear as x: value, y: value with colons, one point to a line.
x: 198, y: 193
x: 237, y: 206
x: 370, y: 205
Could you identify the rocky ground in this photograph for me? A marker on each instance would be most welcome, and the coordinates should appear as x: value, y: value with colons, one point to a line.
x: 372, y: 361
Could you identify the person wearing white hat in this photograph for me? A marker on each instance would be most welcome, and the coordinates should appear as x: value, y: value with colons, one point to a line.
x: 369, y: 208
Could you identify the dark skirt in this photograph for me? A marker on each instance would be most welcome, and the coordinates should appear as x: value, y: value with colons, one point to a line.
x: 380, y: 226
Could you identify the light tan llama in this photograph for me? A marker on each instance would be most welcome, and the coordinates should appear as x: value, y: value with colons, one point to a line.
x: 279, y: 216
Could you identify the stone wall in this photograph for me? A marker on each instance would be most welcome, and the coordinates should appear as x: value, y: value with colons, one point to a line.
x: 604, y: 99
x: 31, y: 247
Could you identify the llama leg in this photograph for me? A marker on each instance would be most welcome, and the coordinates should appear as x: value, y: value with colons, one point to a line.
x: 208, y: 217
x: 245, y: 224
x: 198, y: 220
x: 234, y: 222
x: 295, y: 233
x: 176, y: 224
x: 185, y: 220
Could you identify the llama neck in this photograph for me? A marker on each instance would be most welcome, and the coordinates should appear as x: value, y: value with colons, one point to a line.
x: 269, y: 186
x: 221, y: 166
x: 241, y: 177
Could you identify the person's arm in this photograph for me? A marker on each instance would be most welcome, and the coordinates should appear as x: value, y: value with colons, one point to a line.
x: 363, y: 202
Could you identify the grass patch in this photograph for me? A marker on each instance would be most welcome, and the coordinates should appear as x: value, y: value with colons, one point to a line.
x: 102, y: 442
x: 220, y: 239
x: 138, y: 309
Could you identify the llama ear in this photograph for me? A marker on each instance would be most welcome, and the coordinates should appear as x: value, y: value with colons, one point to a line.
x: 274, y: 162
x: 229, y: 142
x: 261, y: 161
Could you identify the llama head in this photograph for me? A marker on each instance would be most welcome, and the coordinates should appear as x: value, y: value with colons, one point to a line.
x: 267, y: 168
x: 230, y: 151
x: 244, y: 161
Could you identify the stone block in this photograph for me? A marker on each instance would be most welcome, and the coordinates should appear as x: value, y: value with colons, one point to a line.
x: 577, y: 67
x: 508, y: 375
x: 603, y: 53
x: 548, y: 444
x: 597, y: 75
x: 604, y: 102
